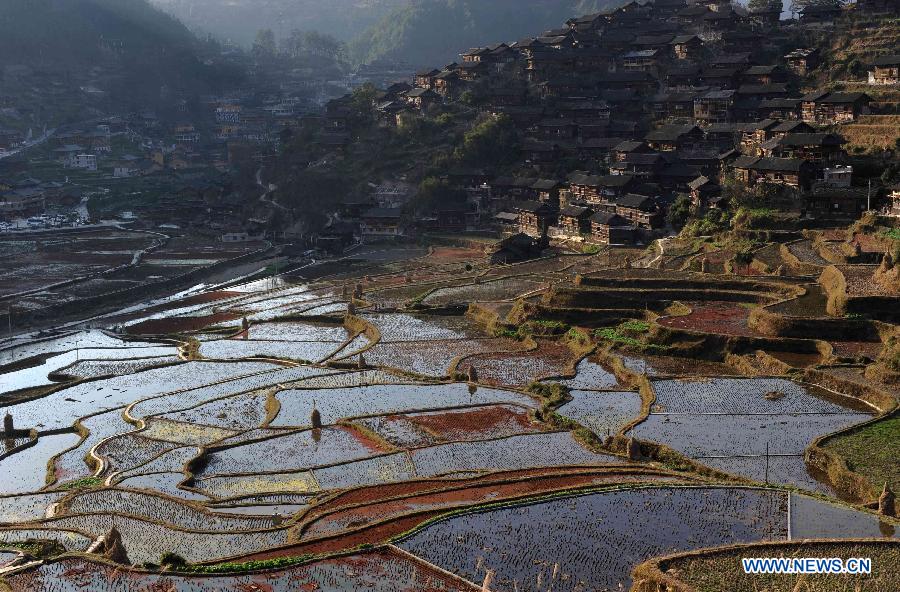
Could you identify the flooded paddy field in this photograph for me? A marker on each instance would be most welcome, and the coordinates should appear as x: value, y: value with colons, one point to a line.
x: 323, y: 425
x: 378, y: 571
x: 593, y: 541
x: 735, y: 423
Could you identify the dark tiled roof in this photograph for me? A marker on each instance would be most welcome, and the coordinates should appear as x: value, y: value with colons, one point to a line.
x: 891, y: 60
x: 575, y: 211
x: 609, y: 219
x: 633, y: 200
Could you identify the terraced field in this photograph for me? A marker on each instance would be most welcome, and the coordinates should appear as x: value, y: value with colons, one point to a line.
x: 383, y: 446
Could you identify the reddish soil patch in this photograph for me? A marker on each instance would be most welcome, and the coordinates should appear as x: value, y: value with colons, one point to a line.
x: 861, y: 281
x: 856, y: 349
x: 797, y: 360
x: 722, y: 318
x: 460, y: 497
x: 383, y: 532
x: 377, y: 493
x: 484, y: 422
x: 370, y: 443
x: 834, y: 234
x: 869, y: 243
x: 454, y: 255
x: 511, y: 369
x: 180, y: 324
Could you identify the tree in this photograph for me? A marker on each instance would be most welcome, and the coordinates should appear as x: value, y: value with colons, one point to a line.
x: 264, y: 45
x: 433, y: 192
x: 798, y: 5
x: 300, y: 44
x: 680, y: 212
x: 492, y: 142
x: 763, y: 5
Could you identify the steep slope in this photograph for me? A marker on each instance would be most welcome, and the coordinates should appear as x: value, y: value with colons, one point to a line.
x: 432, y: 32
x: 126, y: 48
x: 239, y: 20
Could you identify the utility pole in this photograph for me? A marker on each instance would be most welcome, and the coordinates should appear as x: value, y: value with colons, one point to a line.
x: 869, y: 197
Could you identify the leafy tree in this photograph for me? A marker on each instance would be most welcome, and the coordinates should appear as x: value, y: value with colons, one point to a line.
x: 264, y: 45
x: 491, y: 142
x: 680, y: 212
x: 434, y: 192
x: 760, y: 5
x: 798, y: 5
x: 300, y: 44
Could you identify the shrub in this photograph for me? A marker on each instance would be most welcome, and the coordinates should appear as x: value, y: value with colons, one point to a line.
x: 85, y: 483
x: 635, y: 326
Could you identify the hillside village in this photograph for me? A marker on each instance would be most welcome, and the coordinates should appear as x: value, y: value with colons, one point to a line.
x: 623, y: 117
x: 612, y: 307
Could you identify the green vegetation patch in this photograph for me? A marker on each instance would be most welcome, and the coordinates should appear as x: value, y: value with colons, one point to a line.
x: 872, y: 451
x: 238, y: 567
x: 85, y: 483
x: 628, y: 334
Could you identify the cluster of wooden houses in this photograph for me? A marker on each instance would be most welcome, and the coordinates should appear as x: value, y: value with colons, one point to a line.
x: 647, y: 102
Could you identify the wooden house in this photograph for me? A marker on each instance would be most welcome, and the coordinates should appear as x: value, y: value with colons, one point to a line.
x: 609, y: 228
x: 673, y: 106
x: 547, y: 190
x: 820, y: 13
x: 380, y: 223
x: 422, y: 98
x: 704, y: 192
x: 766, y: 16
x: 639, y: 164
x: 675, y: 137
x: 792, y: 127
x: 780, y: 108
x: 557, y: 129
x: 803, y: 61
x: 584, y: 188
x: 681, y: 76
x: 536, y: 152
x: 623, y: 149
x: 425, y: 78
x: 760, y: 92
x: 536, y: 217
x: 821, y: 147
x: 686, y: 47
x: 574, y: 222
x: 644, y: 60
x: 667, y: 9
x: 447, y: 83
x: 791, y: 172
x: 640, y: 210
x: 714, y: 107
x: 885, y: 70
x: 754, y: 135
x: 830, y: 108
x: 770, y: 74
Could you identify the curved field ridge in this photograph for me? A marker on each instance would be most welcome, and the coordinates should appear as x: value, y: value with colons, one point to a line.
x: 337, y: 404
x: 62, y: 408
x: 732, y: 424
x: 382, y: 570
x: 146, y: 540
x: 594, y: 541
x: 161, y: 509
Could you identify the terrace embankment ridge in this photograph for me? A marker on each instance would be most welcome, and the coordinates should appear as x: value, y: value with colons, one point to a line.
x: 661, y: 574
